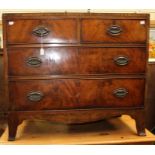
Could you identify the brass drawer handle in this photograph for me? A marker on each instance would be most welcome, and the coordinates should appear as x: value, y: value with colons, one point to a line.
x: 41, y: 31
x: 35, y: 96
x: 114, y: 30
x: 121, y: 60
x: 120, y: 92
x: 34, y: 62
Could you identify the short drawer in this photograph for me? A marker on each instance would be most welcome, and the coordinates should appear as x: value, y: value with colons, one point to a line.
x: 113, y: 31
x: 73, y: 60
x: 54, y: 61
x: 112, y: 60
x: 41, y: 31
x: 75, y: 93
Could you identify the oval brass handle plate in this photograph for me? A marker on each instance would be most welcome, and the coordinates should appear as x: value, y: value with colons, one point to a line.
x: 35, y: 96
x: 120, y: 92
x: 121, y: 60
x: 33, y: 62
x: 41, y: 31
x: 114, y: 30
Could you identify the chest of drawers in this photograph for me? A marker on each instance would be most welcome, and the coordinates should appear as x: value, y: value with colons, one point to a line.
x: 75, y: 67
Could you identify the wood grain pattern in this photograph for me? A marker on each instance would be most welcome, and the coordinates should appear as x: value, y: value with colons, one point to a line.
x: 54, y: 61
x: 73, y: 60
x: 78, y: 72
x: 69, y: 93
x: 96, y: 31
x: 101, y: 60
x: 61, y: 31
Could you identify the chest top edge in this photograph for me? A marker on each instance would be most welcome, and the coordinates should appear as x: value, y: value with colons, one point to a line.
x: 7, y: 16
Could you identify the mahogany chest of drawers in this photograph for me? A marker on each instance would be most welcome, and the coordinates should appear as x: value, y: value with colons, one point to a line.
x: 75, y: 67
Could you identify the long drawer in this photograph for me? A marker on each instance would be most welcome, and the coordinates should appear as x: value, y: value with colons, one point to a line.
x: 113, y: 31
x: 41, y: 31
x: 75, y: 93
x: 73, y: 60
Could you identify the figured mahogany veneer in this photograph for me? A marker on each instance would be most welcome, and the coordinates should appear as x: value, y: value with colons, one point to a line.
x: 73, y: 60
x: 130, y: 31
x: 60, y: 31
x: 75, y: 67
x: 74, y: 93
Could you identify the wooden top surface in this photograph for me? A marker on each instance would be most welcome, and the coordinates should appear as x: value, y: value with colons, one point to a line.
x: 75, y: 14
x: 119, y: 130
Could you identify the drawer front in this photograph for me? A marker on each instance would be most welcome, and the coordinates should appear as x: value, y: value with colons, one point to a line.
x: 74, y: 93
x: 112, y: 60
x: 54, y: 61
x: 42, y: 31
x: 70, y: 60
x: 113, y: 31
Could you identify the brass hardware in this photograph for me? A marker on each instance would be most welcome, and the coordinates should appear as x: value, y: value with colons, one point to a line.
x: 35, y: 96
x: 120, y: 92
x: 114, y: 30
x: 41, y: 31
x: 34, y: 62
x: 121, y: 60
